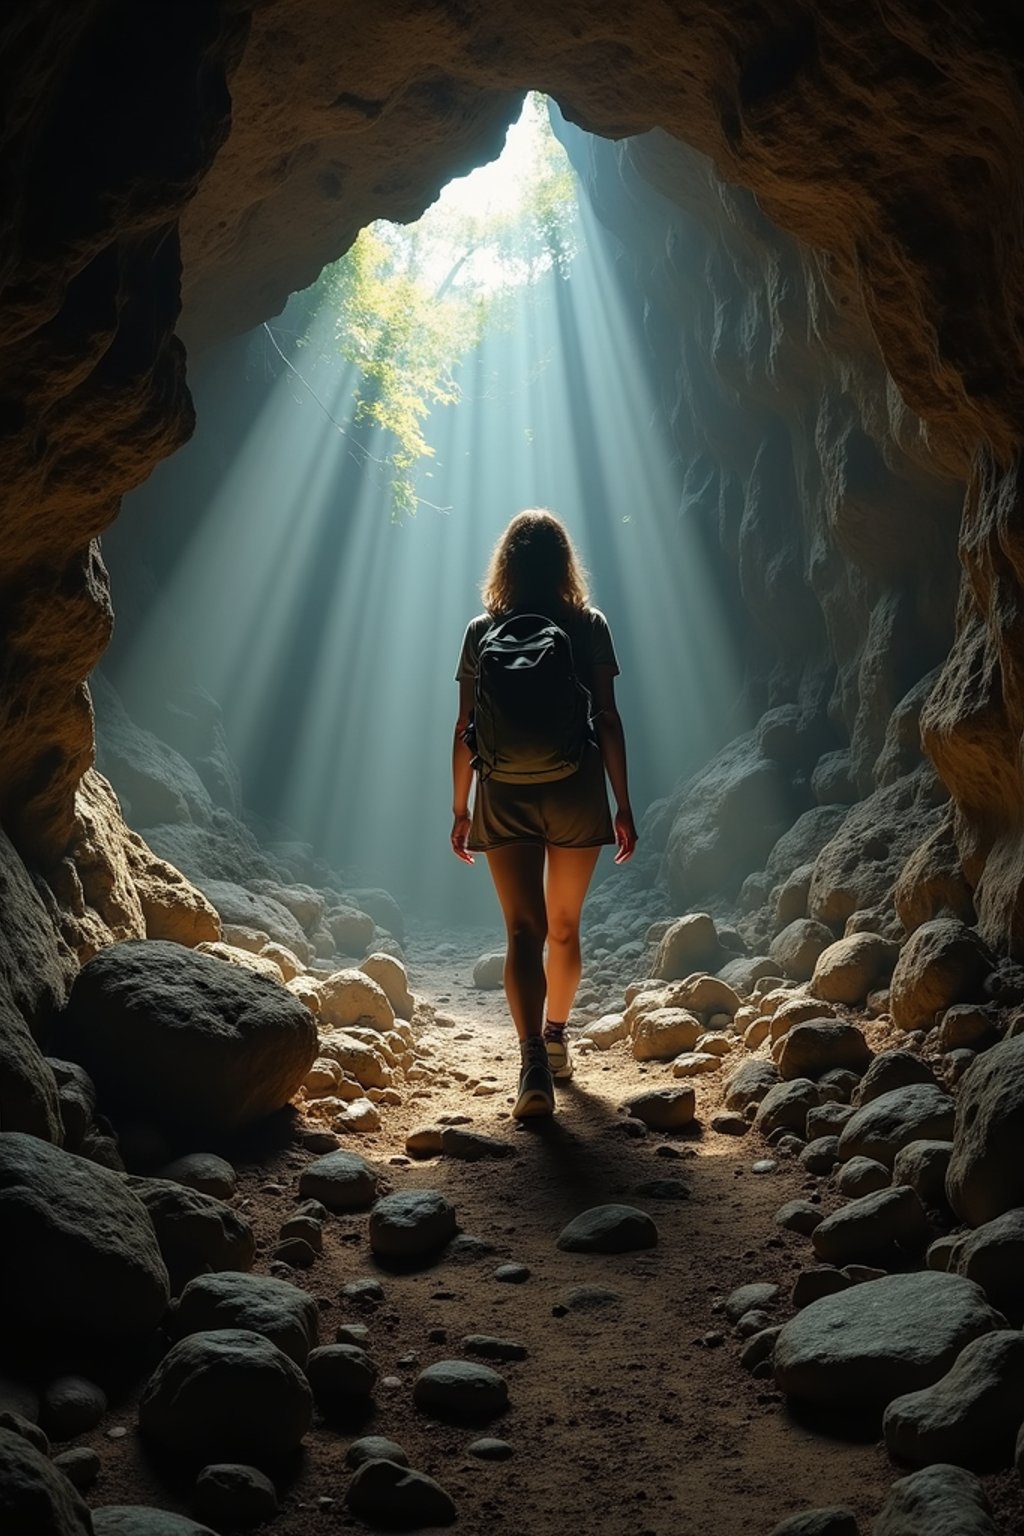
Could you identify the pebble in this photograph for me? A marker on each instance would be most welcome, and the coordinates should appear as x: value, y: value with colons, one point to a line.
x: 295, y: 1253
x: 663, y: 1189
x: 764, y: 1165
x: 490, y: 1348
x: 799, y: 1216
x: 367, y: 1291
x: 512, y: 1274
x: 80, y: 1465
x: 490, y: 1450
x: 352, y: 1333
x: 730, y: 1125
x: 758, y: 1294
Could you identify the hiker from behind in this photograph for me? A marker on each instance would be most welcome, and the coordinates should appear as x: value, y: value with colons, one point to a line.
x: 536, y: 735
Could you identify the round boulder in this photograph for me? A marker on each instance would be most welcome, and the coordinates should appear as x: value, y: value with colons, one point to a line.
x: 226, y: 1395
x: 919, y: 1112
x: 821, y: 1045
x: 283, y: 1313
x: 461, y: 1391
x: 986, y: 1171
x: 970, y: 1416
x: 608, y: 1229
x: 62, y: 1216
x: 396, y: 1498
x: 867, y: 1344
x: 943, y: 962
x: 186, y: 1040
x: 411, y: 1224
x: 234, y: 1496
x: 342, y: 1181
x: 196, y: 1233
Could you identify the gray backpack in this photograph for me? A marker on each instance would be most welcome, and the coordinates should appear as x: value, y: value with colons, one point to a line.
x: 531, y: 713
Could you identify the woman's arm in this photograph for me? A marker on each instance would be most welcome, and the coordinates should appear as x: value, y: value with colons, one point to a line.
x: 462, y: 774
x: 612, y: 740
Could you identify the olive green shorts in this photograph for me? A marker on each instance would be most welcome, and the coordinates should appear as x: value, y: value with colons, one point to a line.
x: 570, y: 813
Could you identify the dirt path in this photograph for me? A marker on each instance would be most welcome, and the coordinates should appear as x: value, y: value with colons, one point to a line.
x: 632, y: 1419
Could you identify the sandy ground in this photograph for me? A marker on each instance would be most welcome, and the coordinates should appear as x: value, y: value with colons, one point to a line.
x: 632, y: 1420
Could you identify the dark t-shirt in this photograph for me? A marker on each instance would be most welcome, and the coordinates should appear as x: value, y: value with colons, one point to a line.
x: 587, y: 629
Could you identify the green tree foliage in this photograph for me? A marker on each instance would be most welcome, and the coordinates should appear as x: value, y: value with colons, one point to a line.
x: 412, y: 301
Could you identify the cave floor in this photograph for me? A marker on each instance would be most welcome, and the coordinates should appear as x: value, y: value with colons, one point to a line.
x: 635, y: 1419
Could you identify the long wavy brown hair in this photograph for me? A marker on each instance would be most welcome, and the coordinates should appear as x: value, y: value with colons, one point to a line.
x: 534, y: 563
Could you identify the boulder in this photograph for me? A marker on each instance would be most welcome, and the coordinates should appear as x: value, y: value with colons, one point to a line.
x: 608, y: 1229
x: 993, y: 1257
x: 938, y: 1501
x: 690, y: 944
x: 342, y: 1181
x: 665, y: 1033
x: 196, y: 1233
x: 234, y: 1497
x: 871, y: 1226
x: 943, y: 962
x: 35, y: 1498
x: 184, y: 1040
x: 248, y: 909
x: 749, y: 1083
x: 277, y: 1310
x: 62, y: 1216
x: 852, y: 967
x: 387, y: 1495
x: 461, y: 1391
x: 986, y: 1171
x: 808, y: 1050
x: 890, y: 1070
x: 390, y: 975
x: 411, y: 1224
x: 922, y: 1165
x: 489, y: 971
x: 868, y: 1343
x: 351, y: 997
x: 970, y: 1416
x: 797, y: 947
x: 786, y: 1106
x: 226, y: 1395
x: 352, y: 930
x: 663, y: 1109
x: 918, y: 1112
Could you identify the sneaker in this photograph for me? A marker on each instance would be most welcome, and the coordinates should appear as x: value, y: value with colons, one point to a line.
x: 559, y: 1059
x: 536, y: 1092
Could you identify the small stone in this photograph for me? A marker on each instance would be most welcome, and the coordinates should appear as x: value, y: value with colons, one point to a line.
x: 512, y: 1274
x: 586, y: 1298
x: 662, y: 1109
x: 473, y: 1146
x: 375, y: 1448
x: 295, y: 1252
x: 366, y: 1291
x: 229, y: 1494
x: 80, y: 1465
x: 730, y: 1125
x: 204, y: 1171
x: 71, y: 1406
x: 663, y: 1189
x: 759, y: 1348
x: 862, y: 1176
x: 382, y: 1493
x: 425, y: 1141
x: 764, y: 1165
x: 460, y: 1390
x: 608, y: 1229
x: 745, y: 1298
x: 830, y: 1520
x: 811, y: 1284
x: 339, y: 1375
x: 352, y: 1333
x: 342, y: 1181
x: 490, y: 1450
x: 798, y: 1216
x: 489, y: 1348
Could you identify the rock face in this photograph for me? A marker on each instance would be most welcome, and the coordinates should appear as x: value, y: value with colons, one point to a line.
x: 186, y: 1040
x: 64, y: 1216
x: 985, y: 1175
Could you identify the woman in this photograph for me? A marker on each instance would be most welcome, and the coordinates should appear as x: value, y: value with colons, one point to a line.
x: 542, y: 840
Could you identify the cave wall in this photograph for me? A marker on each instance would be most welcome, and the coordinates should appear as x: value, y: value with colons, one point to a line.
x: 254, y: 140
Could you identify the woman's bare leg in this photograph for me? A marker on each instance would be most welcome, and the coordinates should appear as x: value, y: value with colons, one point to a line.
x: 518, y: 874
x: 569, y: 872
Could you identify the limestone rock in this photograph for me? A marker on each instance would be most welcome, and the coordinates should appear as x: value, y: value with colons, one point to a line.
x: 703, y: 994
x: 786, y: 1106
x: 34, y: 1496
x: 234, y: 1496
x: 943, y: 962
x: 607, y: 1030
x: 890, y: 1070
x: 350, y: 997
x: 397, y: 1498
x: 970, y: 1416
x: 411, y: 1224
x: 224, y: 1395
x: 938, y: 1501
x: 608, y: 1229
x: 260, y: 1304
x: 922, y: 1165
x: 793, y: 1010
x: 852, y: 967
x: 195, y: 1232
x: 690, y: 944
x: 871, y: 1226
x: 696, y: 1063
x: 489, y: 971
x: 749, y: 1083
x: 867, y: 1344
x: 808, y: 1050
x: 993, y: 1257
x: 390, y: 975
x: 342, y: 1181
x: 918, y: 1112
x: 260, y: 965
x: 986, y: 1172
x: 665, y: 1033
x: 65, y: 1216
x: 797, y: 946
x: 247, y: 909
x: 461, y: 1390
x: 185, y: 1040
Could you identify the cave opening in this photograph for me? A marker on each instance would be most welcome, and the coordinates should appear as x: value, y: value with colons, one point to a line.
x: 761, y: 1264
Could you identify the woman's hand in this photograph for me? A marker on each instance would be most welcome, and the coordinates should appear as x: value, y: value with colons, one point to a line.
x: 460, y: 836
x: 625, y: 835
